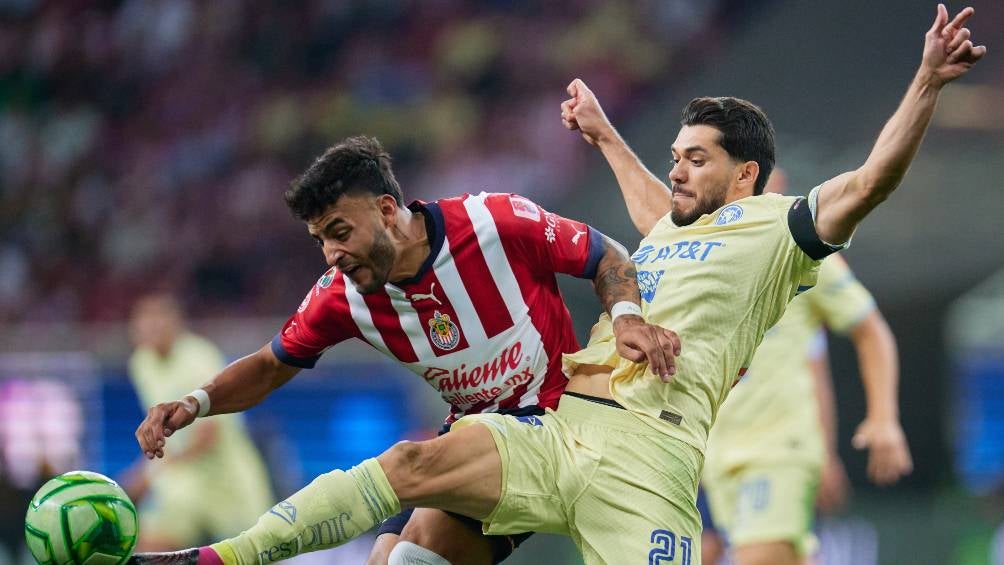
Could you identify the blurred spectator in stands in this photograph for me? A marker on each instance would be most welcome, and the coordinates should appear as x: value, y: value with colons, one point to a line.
x: 149, y: 136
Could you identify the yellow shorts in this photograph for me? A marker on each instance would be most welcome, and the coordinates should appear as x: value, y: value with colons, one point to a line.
x: 624, y: 492
x: 765, y: 503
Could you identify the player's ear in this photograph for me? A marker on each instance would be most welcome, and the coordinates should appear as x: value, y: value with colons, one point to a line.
x: 747, y: 174
x: 388, y: 209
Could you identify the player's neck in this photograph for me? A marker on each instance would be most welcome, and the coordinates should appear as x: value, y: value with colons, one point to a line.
x: 412, y: 241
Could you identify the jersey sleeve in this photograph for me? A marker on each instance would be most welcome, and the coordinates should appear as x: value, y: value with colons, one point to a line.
x: 322, y: 320
x: 839, y: 298
x: 547, y: 240
x: 802, y: 225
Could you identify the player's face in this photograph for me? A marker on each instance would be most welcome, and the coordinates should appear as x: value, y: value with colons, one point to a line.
x: 353, y: 236
x: 155, y: 323
x: 701, y: 175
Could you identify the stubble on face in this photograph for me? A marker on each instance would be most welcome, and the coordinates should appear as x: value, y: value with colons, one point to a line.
x: 710, y: 200
x: 380, y: 259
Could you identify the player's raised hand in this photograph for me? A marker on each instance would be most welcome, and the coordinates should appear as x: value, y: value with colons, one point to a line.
x: 888, y: 453
x: 641, y: 342
x: 163, y: 420
x: 583, y: 112
x: 948, y: 50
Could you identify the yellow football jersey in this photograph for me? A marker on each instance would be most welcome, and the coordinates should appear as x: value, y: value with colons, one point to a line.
x: 720, y: 283
x: 772, y: 413
x: 192, y: 362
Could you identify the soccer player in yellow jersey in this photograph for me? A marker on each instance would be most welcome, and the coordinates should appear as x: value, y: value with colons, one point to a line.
x: 616, y: 466
x: 771, y: 447
x: 215, y: 481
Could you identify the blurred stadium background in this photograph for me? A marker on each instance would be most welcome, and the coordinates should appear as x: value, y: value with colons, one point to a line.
x: 144, y: 144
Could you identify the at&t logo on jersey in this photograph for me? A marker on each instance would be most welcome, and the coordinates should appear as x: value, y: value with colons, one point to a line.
x: 729, y: 214
x: 443, y: 332
x: 691, y: 250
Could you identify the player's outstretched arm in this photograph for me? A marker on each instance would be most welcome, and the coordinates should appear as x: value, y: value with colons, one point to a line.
x: 845, y: 200
x: 647, y: 198
x: 880, y: 432
x: 241, y: 385
x: 616, y: 284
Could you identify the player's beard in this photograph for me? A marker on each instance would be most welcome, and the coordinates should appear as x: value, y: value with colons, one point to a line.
x: 380, y: 260
x: 711, y: 200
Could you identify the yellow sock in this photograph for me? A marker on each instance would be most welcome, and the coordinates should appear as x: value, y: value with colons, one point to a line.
x: 333, y: 509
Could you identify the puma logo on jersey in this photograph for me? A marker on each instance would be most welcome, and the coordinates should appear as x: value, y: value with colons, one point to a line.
x: 431, y: 296
x: 575, y: 238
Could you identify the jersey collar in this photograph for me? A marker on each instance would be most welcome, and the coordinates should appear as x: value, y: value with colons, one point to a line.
x: 434, y: 231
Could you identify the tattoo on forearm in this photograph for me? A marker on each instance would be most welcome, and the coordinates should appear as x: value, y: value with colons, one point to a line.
x: 617, y: 283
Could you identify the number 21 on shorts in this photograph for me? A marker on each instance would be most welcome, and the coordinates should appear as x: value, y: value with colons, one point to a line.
x: 665, y: 548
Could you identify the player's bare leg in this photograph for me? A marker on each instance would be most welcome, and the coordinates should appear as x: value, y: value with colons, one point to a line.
x: 382, y: 548
x: 460, y: 471
x: 771, y: 553
x: 712, y: 548
x: 449, y: 537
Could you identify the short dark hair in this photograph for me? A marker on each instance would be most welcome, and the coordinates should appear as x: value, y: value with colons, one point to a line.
x: 747, y: 134
x: 355, y: 164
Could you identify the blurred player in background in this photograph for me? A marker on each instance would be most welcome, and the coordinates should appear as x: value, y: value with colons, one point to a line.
x: 462, y: 291
x: 215, y: 480
x: 770, y: 449
x: 616, y: 466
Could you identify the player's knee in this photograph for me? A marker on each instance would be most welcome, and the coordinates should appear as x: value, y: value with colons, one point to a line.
x: 408, y: 465
x: 428, y: 536
x: 408, y: 553
x: 382, y: 547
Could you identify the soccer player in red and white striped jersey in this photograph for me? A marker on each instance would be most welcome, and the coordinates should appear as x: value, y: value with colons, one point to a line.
x: 462, y: 291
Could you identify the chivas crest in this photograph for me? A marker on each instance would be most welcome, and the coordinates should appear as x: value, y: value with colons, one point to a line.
x: 443, y: 332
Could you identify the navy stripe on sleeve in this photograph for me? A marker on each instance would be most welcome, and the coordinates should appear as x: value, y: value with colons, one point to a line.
x: 596, y: 248
x: 288, y: 359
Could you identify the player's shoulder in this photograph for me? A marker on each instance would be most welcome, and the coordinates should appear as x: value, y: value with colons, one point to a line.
x: 329, y: 287
x: 500, y: 205
x: 770, y: 203
x: 835, y: 273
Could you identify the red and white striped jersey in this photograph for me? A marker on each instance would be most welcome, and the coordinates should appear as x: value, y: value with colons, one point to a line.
x: 482, y: 321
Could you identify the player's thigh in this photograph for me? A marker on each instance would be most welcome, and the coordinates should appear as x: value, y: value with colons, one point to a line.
x: 632, y: 535
x: 535, y: 452
x: 460, y: 471
x: 774, y: 504
x: 457, y: 540
x: 640, y: 506
x: 766, y: 553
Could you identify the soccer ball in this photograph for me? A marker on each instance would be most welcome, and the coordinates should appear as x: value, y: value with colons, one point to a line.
x: 81, y: 518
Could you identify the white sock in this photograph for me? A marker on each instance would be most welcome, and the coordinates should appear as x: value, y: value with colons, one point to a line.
x: 407, y: 553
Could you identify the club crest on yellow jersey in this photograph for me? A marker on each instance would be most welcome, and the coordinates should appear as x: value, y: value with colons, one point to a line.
x: 729, y: 214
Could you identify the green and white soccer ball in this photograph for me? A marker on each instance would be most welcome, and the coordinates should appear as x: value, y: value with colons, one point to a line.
x: 81, y: 518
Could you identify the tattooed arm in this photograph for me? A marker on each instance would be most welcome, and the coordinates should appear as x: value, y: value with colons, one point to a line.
x: 616, y: 281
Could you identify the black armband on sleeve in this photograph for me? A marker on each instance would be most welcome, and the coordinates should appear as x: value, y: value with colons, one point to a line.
x: 803, y: 231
